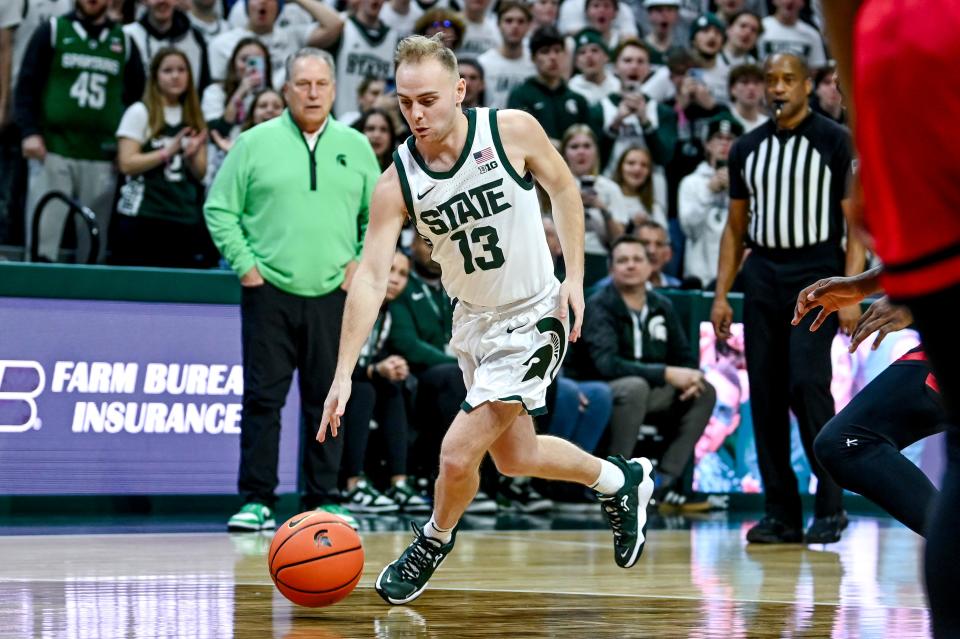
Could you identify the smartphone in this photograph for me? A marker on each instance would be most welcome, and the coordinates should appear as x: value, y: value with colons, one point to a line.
x: 721, y: 164
x: 259, y: 64
x: 696, y: 74
x: 587, y: 182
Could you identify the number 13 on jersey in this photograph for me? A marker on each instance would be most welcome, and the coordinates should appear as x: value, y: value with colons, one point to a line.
x: 486, y: 236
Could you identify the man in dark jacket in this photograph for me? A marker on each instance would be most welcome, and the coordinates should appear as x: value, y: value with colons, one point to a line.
x: 634, y: 338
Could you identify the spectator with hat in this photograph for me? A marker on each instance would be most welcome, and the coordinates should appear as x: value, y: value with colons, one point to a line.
x: 702, y: 201
x: 546, y: 96
x: 591, y: 57
x: 663, y: 16
x: 707, y: 36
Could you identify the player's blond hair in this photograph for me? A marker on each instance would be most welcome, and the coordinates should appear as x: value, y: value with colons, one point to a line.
x: 417, y: 48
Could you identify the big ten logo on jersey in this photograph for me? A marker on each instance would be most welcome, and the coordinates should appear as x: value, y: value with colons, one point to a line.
x: 367, y: 65
x: 484, y: 160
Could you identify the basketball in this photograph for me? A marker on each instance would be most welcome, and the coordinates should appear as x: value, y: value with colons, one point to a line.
x: 316, y: 559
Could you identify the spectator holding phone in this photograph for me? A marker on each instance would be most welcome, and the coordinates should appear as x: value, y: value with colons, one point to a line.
x: 227, y: 104
x: 603, y: 205
x: 635, y: 177
x: 702, y: 202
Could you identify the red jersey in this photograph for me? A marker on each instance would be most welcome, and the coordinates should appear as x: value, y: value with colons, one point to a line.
x: 906, y: 65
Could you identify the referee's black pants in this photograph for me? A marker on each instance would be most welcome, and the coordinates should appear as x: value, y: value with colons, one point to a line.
x: 282, y: 333
x: 788, y: 368
x: 936, y: 318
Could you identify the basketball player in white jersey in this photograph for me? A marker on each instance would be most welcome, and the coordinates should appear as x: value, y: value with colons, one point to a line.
x: 466, y: 180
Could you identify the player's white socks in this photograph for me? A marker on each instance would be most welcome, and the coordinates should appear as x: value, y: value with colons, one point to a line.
x: 432, y: 530
x: 611, y: 479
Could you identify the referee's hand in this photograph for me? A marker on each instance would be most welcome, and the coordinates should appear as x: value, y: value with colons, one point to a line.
x: 721, y: 316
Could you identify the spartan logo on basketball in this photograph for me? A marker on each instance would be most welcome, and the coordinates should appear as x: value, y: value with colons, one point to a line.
x: 546, y: 359
x: 20, y: 384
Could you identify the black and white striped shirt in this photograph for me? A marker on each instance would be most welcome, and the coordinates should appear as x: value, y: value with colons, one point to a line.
x: 795, y: 182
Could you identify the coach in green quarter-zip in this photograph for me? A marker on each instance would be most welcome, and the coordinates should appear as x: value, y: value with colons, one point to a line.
x: 288, y: 211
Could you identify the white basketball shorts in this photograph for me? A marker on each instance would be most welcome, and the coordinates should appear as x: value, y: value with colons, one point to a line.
x: 510, y: 353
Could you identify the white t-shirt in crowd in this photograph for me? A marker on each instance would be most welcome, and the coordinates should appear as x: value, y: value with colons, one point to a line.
x: 594, y: 93
x: 801, y: 38
x: 38, y: 12
x: 573, y: 18
x: 401, y: 24
x: 135, y: 123
x: 479, y: 37
x: 291, y: 14
x: 749, y: 125
x: 502, y: 75
x: 282, y: 42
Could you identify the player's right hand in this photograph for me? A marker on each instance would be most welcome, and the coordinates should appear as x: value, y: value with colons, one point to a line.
x: 334, y: 407
x: 830, y: 295
x: 881, y: 318
x: 721, y: 316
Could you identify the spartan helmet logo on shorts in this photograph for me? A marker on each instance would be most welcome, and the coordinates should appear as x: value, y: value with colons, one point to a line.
x: 539, y: 364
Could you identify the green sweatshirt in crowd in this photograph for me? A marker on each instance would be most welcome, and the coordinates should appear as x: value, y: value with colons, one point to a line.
x: 298, y: 216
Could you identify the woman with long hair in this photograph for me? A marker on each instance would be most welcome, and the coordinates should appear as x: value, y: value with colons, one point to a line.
x: 162, y: 153
x: 603, y: 204
x: 379, y: 129
x: 634, y: 175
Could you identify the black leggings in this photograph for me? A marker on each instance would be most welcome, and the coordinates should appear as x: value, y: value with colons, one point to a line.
x: 383, y: 401
x: 860, y: 447
x: 936, y: 319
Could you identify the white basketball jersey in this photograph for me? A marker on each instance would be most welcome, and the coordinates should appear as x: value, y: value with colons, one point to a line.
x: 482, y: 219
x: 362, y: 53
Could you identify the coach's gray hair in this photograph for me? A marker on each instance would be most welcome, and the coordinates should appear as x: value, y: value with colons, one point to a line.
x: 310, y: 52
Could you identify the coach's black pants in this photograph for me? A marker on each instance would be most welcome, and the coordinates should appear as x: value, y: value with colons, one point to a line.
x: 860, y: 447
x: 936, y: 318
x: 788, y: 368
x: 282, y: 333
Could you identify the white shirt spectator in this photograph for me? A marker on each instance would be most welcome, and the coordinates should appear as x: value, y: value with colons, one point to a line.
x: 401, y: 24
x: 716, y: 80
x: 703, y: 215
x: 658, y: 86
x: 135, y: 123
x: 801, y: 38
x: 291, y: 14
x: 282, y: 42
x: 594, y: 93
x: 749, y: 125
x: 595, y: 236
x: 480, y: 37
x: 573, y: 18
x: 210, y: 30
x: 501, y: 75
x: 37, y: 12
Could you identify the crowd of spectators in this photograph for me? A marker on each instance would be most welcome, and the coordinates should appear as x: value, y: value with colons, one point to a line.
x: 131, y: 106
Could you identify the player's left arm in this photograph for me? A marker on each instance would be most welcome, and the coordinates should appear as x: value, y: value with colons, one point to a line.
x: 529, y: 149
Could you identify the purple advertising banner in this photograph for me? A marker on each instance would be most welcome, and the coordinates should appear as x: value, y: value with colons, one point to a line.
x: 125, y: 398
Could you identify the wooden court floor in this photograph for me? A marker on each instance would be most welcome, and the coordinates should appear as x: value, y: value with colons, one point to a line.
x: 697, y: 582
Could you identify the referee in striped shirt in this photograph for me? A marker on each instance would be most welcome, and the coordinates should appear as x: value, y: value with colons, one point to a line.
x: 788, y: 195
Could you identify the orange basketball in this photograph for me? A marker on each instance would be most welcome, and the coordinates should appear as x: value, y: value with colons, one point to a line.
x: 316, y: 559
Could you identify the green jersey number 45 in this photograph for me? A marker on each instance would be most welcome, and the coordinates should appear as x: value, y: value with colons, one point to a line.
x: 90, y: 90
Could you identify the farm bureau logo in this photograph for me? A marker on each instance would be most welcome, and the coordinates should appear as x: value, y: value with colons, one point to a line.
x: 126, y: 397
x: 21, y: 382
